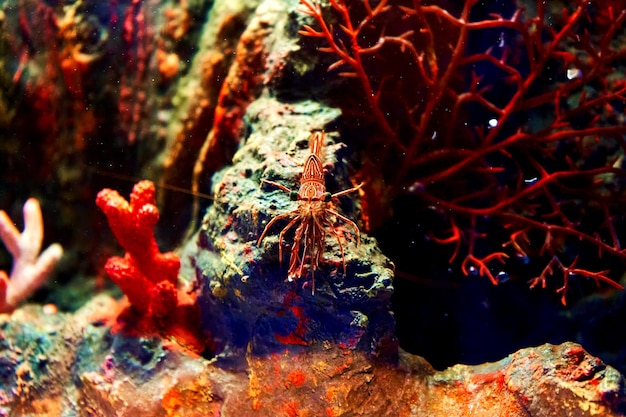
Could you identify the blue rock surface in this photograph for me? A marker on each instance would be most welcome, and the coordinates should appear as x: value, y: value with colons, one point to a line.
x: 246, y: 300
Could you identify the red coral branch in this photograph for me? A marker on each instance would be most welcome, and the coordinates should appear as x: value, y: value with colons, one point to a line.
x: 458, y: 144
x: 147, y: 276
x: 350, y: 55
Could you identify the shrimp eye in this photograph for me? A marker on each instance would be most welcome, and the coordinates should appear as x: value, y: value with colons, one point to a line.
x: 293, y: 195
x: 327, y: 197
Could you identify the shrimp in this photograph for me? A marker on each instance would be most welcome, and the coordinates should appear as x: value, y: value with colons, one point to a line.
x: 312, y: 216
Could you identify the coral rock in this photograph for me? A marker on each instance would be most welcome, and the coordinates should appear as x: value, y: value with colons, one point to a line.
x: 61, y: 364
x: 245, y: 297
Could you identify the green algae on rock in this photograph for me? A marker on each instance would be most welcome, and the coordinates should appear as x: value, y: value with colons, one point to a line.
x: 246, y: 298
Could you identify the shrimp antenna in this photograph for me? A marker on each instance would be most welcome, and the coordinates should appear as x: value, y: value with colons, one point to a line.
x: 170, y: 187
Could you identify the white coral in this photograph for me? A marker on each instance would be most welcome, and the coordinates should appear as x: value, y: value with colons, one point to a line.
x: 30, y: 269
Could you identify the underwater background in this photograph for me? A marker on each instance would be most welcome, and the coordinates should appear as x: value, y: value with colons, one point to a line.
x: 475, y: 151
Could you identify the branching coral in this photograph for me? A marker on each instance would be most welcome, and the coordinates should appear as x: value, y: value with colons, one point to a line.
x: 30, y: 269
x: 147, y: 276
x: 526, y: 133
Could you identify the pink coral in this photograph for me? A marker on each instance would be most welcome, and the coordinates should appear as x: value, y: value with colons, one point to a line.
x: 30, y: 269
x: 147, y: 276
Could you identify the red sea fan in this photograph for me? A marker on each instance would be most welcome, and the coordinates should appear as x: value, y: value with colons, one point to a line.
x: 508, y: 114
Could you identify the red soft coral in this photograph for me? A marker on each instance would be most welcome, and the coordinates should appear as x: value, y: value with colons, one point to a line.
x: 147, y: 276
